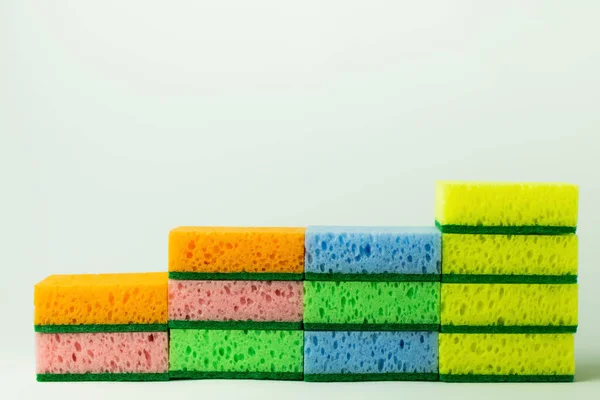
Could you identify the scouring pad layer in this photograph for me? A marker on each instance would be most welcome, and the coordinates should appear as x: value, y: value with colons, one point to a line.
x: 533, y: 256
x: 506, y: 208
x: 506, y: 307
x: 506, y: 357
x: 235, y: 303
x: 105, y: 299
x: 367, y: 252
x: 348, y: 356
x: 371, y: 305
x: 244, y: 354
x: 207, y: 250
x: 72, y: 355
x: 127, y: 377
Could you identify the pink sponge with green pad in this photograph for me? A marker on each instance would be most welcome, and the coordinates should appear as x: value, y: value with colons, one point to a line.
x: 236, y: 354
x: 110, y: 356
x: 235, y: 304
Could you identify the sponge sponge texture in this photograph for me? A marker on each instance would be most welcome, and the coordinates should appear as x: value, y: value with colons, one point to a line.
x: 371, y: 305
x: 236, y: 354
x: 530, y: 206
x: 222, y: 301
x: 105, y: 299
x: 510, y: 255
x: 334, y: 353
x: 236, y: 250
x: 102, y: 353
x: 467, y: 356
x: 372, y: 250
x: 502, y: 306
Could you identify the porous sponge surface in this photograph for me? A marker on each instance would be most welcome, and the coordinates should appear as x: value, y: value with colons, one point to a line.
x: 372, y: 250
x: 371, y: 302
x: 370, y: 352
x: 509, y: 304
x: 235, y: 300
x: 506, y: 204
x: 227, y: 250
x: 507, y: 354
x: 236, y: 351
x: 97, y: 353
x: 510, y: 254
x: 101, y: 299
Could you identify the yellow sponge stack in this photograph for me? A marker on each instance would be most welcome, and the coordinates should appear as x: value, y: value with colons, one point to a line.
x: 509, y: 281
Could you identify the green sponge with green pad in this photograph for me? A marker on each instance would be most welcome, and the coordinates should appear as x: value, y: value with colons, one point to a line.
x: 236, y: 354
x: 371, y: 306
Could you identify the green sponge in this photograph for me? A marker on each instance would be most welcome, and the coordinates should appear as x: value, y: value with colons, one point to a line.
x: 236, y: 354
x: 374, y: 306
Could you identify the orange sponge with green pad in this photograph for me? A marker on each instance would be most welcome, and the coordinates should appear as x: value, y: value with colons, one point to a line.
x: 101, y: 327
x: 506, y: 208
x: 101, y: 303
x: 236, y: 253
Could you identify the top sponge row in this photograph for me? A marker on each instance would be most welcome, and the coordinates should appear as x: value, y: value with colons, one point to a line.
x: 506, y: 208
x: 332, y: 253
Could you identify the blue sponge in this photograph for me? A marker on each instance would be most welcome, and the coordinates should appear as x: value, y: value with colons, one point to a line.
x: 354, y: 356
x: 372, y: 253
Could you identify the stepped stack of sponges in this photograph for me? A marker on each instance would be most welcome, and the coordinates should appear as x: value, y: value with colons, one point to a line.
x: 371, y: 303
x: 509, y: 273
x: 235, y: 303
x: 101, y: 327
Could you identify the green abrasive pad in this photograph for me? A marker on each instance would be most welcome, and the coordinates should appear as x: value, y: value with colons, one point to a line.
x: 100, y: 328
x: 507, y: 230
x: 101, y: 377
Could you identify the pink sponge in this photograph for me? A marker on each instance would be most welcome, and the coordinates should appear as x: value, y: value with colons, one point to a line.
x: 230, y: 301
x: 102, y: 353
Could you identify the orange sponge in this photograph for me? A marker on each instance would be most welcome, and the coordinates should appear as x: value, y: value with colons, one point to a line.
x: 236, y: 253
x: 65, y: 303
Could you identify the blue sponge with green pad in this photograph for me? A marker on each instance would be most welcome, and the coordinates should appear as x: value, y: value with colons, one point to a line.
x: 352, y: 253
x: 370, y: 356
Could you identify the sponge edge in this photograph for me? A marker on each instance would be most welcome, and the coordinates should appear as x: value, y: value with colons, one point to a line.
x: 244, y: 354
x: 479, y: 207
x: 377, y: 354
x: 537, y: 255
x: 231, y: 302
x: 223, y: 250
x: 506, y: 357
x: 103, y: 299
x: 371, y: 306
x: 74, y: 354
x: 501, y: 307
x: 341, y: 250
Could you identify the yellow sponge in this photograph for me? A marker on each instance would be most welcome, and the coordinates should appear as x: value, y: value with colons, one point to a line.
x: 506, y: 357
x: 516, y: 258
x: 105, y: 302
x: 510, y: 208
x: 197, y: 252
x: 521, y: 308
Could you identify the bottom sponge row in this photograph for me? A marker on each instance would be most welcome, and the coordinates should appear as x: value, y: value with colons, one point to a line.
x: 297, y: 355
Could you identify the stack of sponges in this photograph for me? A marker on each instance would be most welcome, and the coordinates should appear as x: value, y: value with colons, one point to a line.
x: 101, y: 327
x: 371, y: 303
x: 509, y: 273
x: 235, y: 303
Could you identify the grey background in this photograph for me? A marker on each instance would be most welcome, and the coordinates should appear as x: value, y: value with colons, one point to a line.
x: 120, y: 120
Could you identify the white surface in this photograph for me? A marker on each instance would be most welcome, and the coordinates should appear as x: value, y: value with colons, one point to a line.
x: 120, y: 120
